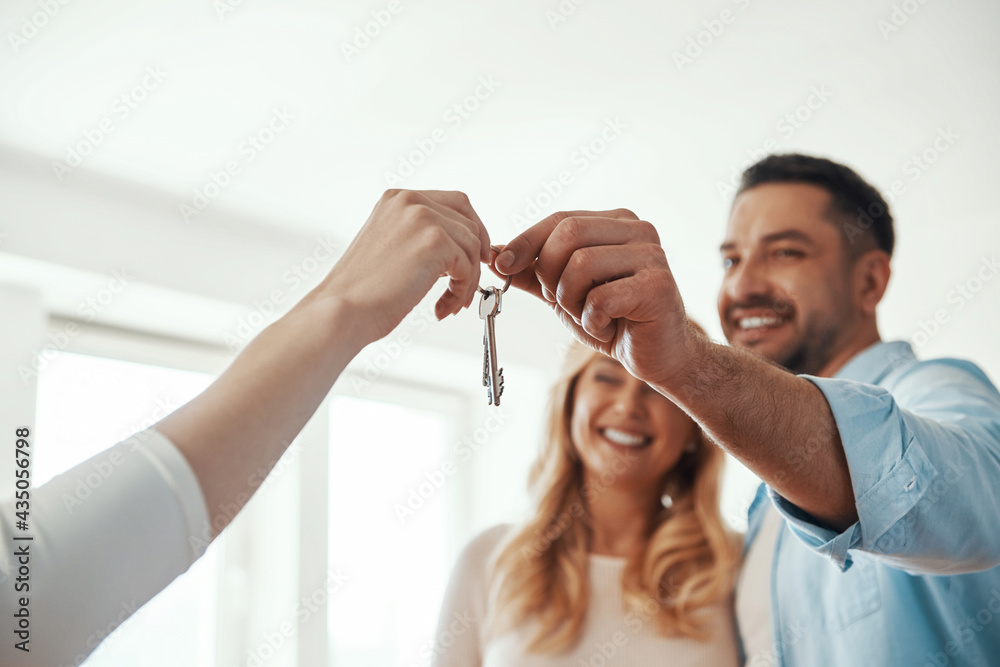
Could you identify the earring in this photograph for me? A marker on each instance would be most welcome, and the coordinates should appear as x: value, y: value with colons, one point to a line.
x: 667, y: 499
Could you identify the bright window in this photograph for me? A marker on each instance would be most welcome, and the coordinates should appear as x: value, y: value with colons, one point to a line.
x: 85, y: 405
x: 388, y: 530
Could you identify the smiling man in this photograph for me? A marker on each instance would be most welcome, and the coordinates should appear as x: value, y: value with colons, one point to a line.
x: 794, y: 291
x: 874, y: 539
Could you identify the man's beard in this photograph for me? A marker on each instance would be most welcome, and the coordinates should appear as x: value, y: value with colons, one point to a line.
x: 809, y: 355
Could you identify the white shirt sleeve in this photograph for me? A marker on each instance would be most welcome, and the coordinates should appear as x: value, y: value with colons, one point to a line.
x: 108, y: 535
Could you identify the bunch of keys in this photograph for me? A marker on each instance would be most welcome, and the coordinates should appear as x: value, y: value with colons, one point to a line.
x: 489, y: 308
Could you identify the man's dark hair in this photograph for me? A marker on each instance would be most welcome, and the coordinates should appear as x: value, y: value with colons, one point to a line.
x: 855, y: 202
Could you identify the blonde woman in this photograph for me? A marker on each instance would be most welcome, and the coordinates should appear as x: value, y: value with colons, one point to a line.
x: 626, y: 560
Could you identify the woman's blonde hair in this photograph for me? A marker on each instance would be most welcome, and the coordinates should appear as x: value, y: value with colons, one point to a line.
x: 541, y: 572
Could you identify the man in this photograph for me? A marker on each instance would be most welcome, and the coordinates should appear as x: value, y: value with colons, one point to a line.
x: 877, y: 540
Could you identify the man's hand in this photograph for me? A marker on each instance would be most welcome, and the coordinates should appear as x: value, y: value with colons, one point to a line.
x: 607, y: 278
x: 411, y: 239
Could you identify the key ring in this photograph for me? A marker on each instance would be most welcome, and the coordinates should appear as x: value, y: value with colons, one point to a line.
x: 506, y: 284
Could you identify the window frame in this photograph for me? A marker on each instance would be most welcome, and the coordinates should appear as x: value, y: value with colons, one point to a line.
x: 237, y: 630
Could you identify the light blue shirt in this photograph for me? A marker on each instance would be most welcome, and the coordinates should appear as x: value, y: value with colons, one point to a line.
x: 915, y: 582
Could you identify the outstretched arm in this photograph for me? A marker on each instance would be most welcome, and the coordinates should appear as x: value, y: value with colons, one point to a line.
x: 93, y: 562
x: 606, y: 276
x: 246, y: 419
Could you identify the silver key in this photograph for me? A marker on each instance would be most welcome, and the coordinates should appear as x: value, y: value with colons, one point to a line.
x: 489, y: 308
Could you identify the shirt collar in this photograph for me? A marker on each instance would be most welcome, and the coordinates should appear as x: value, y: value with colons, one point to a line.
x: 872, y: 364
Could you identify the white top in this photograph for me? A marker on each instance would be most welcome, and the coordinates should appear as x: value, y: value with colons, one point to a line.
x: 108, y: 535
x: 610, y: 636
x: 753, y: 592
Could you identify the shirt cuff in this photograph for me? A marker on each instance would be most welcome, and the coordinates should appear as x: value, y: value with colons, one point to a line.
x: 889, y: 471
x: 183, y: 483
x: 823, y: 541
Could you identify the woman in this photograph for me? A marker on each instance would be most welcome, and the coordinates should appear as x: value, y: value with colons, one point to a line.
x: 626, y: 559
